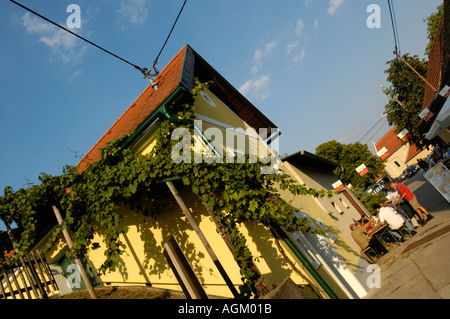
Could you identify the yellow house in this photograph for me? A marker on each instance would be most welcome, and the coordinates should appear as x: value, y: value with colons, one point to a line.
x: 221, y: 112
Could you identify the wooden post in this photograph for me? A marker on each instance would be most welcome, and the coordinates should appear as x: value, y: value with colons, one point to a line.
x: 189, y: 282
x: 83, y: 273
x: 5, y: 274
x: 13, y: 275
x: 39, y: 272
x: 202, y: 238
x: 29, y: 277
x: 24, y: 282
x: 36, y: 279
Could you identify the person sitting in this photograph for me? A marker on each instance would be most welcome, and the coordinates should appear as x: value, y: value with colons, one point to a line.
x: 387, y: 215
x: 364, y: 241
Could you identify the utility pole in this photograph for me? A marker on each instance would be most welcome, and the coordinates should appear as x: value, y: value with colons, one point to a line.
x: 414, y: 70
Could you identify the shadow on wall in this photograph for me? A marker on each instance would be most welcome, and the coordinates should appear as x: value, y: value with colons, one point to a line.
x: 158, y: 219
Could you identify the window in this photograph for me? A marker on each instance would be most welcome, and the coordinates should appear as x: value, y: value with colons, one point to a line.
x: 207, y: 99
x: 336, y: 206
x: 344, y: 203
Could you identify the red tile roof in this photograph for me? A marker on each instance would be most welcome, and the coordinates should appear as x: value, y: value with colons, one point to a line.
x: 149, y: 100
x: 180, y: 71
x: 392, y: 143
x: 434, y: 69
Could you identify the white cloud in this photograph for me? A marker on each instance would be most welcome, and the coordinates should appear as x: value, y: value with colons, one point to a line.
x: 257, y: 87
x: 299, y: 57
x: 316, y: 23
x: 132, y: 11
x: 334, y: 5
x: 62, y: 44
x: 261, y: 54
x: 291, y: 46
x: 300, y: 25
x: 76, y: 74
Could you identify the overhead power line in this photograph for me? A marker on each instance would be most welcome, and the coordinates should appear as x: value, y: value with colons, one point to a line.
x: 170, y: 33
x: 394, y: 25
x: 367, y: 133
x: 145, y: 71
x: 73, y: 33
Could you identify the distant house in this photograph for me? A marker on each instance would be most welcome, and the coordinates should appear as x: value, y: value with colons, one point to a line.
x: 397, y: 154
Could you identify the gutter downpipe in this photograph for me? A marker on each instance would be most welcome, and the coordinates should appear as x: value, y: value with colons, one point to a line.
x: 304, y: 261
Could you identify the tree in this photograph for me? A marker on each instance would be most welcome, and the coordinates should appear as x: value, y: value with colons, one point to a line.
x: 350, y: 156
x: 409, y: 89
x: 433, y: 21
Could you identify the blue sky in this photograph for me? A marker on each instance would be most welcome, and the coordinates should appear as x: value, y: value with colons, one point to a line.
x: 311, y: 66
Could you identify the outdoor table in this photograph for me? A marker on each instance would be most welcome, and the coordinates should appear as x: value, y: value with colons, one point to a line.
x: 382, y: 233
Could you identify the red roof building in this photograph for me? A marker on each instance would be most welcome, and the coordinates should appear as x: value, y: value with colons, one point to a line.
x: 398, y: 154
x: 173, y: 81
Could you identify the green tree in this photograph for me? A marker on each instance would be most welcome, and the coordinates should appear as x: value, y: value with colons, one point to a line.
x: 349, y: 157
x: 433, y: 21
x: 409, y: 89
x: 369, y: 198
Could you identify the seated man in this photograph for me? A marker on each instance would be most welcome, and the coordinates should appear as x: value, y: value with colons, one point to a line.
x: 363, y: 240
x: 387, y: 215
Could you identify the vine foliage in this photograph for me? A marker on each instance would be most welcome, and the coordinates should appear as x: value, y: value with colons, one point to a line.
x: 91, y: 200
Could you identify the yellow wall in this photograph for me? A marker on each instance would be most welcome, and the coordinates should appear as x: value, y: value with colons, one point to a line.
x: 400, y: 156
x: 144, y: 262
x: 320, y: 208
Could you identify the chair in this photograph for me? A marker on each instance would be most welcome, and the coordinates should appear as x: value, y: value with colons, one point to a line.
x: 385, y: 236
x: 372, y: 252
x: 404, y: 231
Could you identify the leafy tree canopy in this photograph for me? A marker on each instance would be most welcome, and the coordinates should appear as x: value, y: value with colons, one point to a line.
x: 350, y: 156
x: 409, y: 90
x: 433, y: 21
